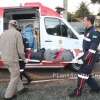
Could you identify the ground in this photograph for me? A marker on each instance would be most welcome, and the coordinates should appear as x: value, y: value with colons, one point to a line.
x: 57, y: 89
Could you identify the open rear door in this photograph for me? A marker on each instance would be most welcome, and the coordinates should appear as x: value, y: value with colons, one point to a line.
x: 1, y: 20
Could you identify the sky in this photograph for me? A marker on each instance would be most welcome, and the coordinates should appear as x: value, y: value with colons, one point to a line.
x: 73, y: 5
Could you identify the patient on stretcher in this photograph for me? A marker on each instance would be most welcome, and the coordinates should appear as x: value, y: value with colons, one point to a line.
x: 50, y: 55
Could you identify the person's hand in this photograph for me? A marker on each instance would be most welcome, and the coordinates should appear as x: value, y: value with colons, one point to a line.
x: 26, y: 60
x: 80, y: 61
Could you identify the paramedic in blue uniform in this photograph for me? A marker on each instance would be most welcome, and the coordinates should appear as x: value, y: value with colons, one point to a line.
x: 90, y: 43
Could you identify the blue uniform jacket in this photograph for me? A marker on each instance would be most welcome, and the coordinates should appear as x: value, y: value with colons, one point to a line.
x: 91, y: 40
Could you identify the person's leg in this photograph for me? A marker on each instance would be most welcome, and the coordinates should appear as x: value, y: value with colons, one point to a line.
x: 83, y: 75
x: 20, y: 85
x: 93, y: 84
x: 14, y: 79
x: 86, y: 70
x: 24, y: 73
x: 91, y: 81
x: 20, y: 88
x: 21, y: 76
x: 80, y: 85
x: 22, y: 66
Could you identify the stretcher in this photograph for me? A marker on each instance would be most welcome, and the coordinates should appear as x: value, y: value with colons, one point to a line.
x: 49, y: 64
x: 52, y: 64
x: 33, y: 63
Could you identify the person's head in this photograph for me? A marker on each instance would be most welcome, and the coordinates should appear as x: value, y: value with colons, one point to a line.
x: 13, y: 23
x: 89, y: 21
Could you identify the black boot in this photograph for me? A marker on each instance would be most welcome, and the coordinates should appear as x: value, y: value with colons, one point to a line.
x: 80, y: 85
x: 27, y: 77
x: 21, y: 75
x: 95, y: 88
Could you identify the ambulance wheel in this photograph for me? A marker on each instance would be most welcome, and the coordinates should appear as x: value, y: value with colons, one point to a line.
x: 75, y: 67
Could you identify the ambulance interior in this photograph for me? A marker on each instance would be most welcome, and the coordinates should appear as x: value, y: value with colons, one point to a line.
x: 24, y: 16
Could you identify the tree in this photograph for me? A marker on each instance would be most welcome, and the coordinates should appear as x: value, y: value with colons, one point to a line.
x: 82, y: 11
x: 71, y: 17
x: 95, y: 1
x: 98, y: 13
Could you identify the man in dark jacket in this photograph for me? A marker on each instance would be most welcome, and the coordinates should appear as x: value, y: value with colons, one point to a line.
x: 23, y: 71
x: 90, y: 44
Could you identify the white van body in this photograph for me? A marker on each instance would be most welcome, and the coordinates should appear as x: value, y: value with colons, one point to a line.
x: 52, y: 30
x: 68, y: 39
x: 55, y: 41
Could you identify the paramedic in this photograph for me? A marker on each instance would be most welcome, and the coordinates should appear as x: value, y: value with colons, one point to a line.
x: 90, y: 43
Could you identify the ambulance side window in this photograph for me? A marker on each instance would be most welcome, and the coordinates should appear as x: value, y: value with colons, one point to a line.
x: 67, y: 32
x: 52, y: 26
x: 56, y: 27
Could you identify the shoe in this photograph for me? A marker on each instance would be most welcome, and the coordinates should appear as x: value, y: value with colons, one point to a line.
x: 27, y: 83
x: 75, y: 93
x: 23, y: 91
x: 11, y: 98
x: 71, y: 95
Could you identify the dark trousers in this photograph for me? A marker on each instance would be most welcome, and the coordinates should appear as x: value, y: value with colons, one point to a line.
x: 86, y: 69
x: 23, y: 72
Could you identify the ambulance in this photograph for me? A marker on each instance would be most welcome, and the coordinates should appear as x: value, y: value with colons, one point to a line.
x: 51, y: 29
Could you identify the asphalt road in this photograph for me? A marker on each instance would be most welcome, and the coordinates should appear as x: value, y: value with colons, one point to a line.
x: 54, y: 90
x: 50, y: 84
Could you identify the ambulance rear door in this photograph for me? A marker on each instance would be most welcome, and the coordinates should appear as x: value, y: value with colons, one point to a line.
x: 1, y: 20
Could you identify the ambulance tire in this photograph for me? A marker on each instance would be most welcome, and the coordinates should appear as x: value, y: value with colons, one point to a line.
x: 75, y: 67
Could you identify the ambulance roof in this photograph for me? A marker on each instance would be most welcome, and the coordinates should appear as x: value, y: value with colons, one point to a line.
x: 44, y: 11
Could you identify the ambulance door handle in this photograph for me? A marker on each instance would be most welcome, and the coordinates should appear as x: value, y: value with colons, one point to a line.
x: 48, y: 41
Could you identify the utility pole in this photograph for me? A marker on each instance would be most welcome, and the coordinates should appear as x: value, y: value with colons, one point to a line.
x: 65, y: 3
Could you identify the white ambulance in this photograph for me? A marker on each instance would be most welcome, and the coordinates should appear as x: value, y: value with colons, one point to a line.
x: 52, y: 30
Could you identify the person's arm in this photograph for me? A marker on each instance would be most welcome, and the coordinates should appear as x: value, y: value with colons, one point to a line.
x: 94, y: 44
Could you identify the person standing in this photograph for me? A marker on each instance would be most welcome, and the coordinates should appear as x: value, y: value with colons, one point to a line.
x: 28, y: 34
x: 23, y: 73
x: 23, y: 70
x: 11, y: 48
x: 90, y: 44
